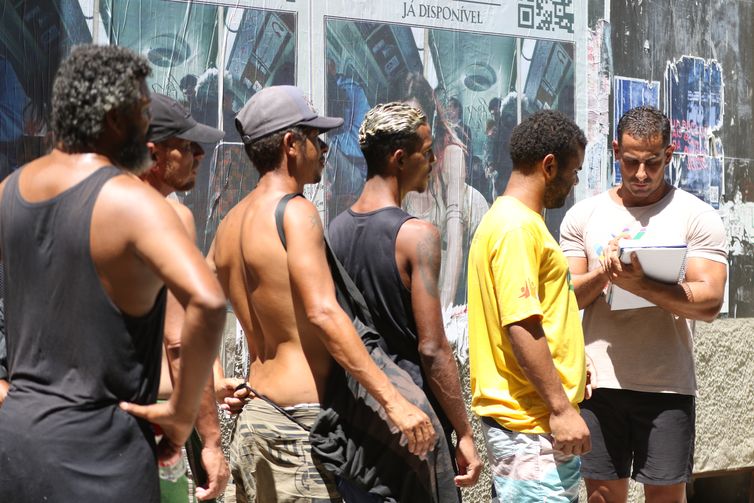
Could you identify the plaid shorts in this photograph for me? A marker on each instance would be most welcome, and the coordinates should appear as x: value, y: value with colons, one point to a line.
x: 270, y: 457
x: 526, y: 468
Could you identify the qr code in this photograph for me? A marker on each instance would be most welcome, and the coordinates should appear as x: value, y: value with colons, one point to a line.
x: 546, y: 15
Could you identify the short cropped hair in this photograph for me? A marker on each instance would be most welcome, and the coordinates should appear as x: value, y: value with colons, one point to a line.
x: 386, y: 128
x: 644, y: 123
x: 92, y: 81
x: 542, y: 133
x: 266, y: 152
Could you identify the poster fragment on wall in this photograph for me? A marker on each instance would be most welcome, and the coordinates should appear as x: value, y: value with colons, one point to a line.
x: 630, y: 93
x: 694, y: 103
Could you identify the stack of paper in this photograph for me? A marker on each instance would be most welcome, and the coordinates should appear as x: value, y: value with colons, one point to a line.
x: 666, y: 264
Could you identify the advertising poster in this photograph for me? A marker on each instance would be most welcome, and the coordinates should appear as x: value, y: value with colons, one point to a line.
x: 260, y: 51
x: 180, y: 41
x: 473, y: 87
x: 34, y: 38
x: 211, y: 58
x: 694, y: 104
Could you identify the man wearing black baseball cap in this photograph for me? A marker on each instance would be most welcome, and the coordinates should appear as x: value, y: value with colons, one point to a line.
x: 283, y: 294
x: 174, y: 139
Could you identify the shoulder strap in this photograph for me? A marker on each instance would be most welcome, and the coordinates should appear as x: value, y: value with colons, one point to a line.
x: 348, y: 294
x: 280, y: 213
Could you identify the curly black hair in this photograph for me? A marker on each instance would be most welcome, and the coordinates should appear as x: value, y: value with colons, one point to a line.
x: 92, y: 81
x: 544, y: 132
x: 644, y: 123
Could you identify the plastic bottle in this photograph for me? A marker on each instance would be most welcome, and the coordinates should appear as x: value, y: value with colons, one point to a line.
x: 173, y: 471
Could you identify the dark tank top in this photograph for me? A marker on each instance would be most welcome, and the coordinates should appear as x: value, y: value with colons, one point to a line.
x: 72, y: 357
x: 365, y: 245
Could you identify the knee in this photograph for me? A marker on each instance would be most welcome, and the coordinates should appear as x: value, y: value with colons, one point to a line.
x: 607, y: 491
x: 675, y: 493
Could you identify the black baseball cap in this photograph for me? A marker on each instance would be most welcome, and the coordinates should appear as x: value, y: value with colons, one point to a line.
x: 171, y: 120
x: 278, y: 107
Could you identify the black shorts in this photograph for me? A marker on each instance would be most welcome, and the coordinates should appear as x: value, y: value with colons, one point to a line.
x: 654, y: 432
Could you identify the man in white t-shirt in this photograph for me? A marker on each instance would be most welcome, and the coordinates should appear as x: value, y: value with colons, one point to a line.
x: 641, y: 413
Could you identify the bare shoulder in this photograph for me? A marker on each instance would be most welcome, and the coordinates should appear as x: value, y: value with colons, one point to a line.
x: 134, y: 205
x: 302, y: 212
x: 417, y: 232
x: 304, y: 232
x: 185, y: 214
x: 121, y: 189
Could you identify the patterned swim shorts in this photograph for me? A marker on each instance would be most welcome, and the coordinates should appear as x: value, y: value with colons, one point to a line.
x: 526, y: 468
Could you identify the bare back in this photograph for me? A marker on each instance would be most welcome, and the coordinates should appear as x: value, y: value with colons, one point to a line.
x: 289, y: 364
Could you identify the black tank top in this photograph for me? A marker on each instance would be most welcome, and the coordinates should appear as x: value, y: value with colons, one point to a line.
x: 365, y: 245
x: 72, y: 357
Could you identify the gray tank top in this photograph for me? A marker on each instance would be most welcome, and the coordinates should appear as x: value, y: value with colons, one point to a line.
x: 72, y: 357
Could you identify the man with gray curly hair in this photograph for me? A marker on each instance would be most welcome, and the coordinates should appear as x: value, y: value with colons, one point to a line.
x: 394, y: 259
x: 88, y: 251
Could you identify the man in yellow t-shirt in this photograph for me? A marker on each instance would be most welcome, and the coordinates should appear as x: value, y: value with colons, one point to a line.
x: 526, y: 346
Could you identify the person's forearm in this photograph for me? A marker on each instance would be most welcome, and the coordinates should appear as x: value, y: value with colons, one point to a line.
x: 345, y: 346
x: 589, y: 286
x: 442, y: 374
x: 689, y: 300
x: 530, y: 348
x: 207, y: 423
x: 200, y: 338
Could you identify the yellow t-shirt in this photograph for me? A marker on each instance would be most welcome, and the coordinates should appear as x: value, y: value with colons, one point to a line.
x: 517, y: 270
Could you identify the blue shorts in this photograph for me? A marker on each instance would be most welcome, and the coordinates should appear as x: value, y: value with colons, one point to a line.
x: 526, y: 468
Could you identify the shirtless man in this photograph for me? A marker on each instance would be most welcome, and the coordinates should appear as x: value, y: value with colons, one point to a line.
x: 172, y: 139
x: 88, y: 250
x: 285, y: 301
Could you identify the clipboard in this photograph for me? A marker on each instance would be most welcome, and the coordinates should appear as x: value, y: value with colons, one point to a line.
x: 666, y: 264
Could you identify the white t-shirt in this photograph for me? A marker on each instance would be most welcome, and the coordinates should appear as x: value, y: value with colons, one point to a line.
x: 645, y: 349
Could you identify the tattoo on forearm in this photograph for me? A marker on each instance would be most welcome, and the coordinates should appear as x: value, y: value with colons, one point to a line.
x: 428, y: 255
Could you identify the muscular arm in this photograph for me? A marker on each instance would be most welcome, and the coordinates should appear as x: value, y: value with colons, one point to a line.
x: 699, y: 297
x: 587, y: 285
x: 157, y: 237
x: 419, y: 242
x: 530, y: 348
x: 311, y: 279
x: 207, y: 423
x: 454, y: 176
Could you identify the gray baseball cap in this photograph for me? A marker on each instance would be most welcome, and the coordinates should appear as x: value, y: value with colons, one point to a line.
x: 276, y: 108
x: 170, y: 119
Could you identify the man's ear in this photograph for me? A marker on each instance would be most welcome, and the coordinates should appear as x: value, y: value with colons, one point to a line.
x: 289, y: 143
x: 669, y: 153
x: 396, y: 158
x: 616, y: 149
x: 550, y: 167
x: 152, y: 152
